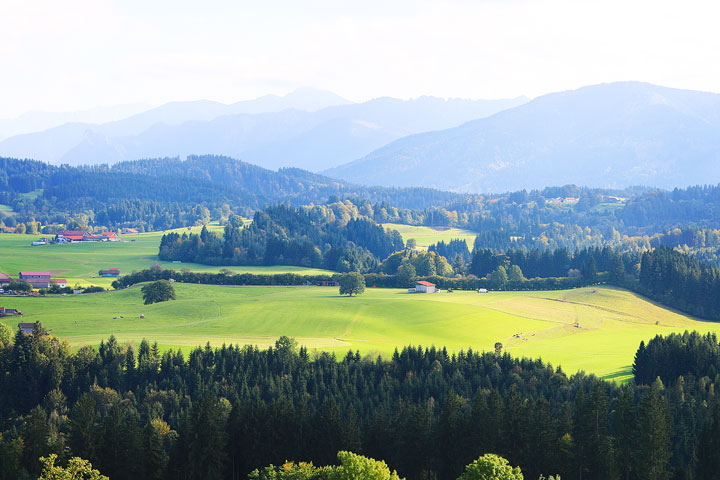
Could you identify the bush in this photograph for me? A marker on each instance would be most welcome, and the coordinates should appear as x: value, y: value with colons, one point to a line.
x: 20, y: 286
x: 491, y: 467
x: 6, y: 335
x: 93, y: 290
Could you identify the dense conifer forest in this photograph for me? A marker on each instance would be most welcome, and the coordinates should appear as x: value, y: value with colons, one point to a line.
x: 221, y: 413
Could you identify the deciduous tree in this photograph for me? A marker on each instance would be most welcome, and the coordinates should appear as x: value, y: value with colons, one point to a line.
x: 352, y: 283
x: 77, y: 469
x: 159, y: 291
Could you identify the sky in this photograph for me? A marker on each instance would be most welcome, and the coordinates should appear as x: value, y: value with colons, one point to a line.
x: 78, y: 54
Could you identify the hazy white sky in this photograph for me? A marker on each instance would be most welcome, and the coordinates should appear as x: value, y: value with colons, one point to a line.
x: 77, y: 54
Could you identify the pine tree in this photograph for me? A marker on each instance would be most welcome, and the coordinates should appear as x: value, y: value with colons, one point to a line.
x: 653, y: 434
x: 35, y: 433
x: 154, y: 456
x: 626, y: 432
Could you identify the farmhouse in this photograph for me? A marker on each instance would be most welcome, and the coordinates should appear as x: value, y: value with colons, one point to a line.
x: 47, y: 283
x: 28, y: 275
x: 110, y: 272
x: 327, y: 284
x: 4, y: 312
x: 109, y: 237
x: 42, y: 279
x: 422, y: 286
x: 26, y: 328
x: 4, y: 279
x: 130, y: 231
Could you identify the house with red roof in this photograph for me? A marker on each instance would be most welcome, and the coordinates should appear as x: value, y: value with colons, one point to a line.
x: 42, y: 279
x: 110, y: 272
x: 28, y: 275
x: 110, y: 237
x: 421, y: 286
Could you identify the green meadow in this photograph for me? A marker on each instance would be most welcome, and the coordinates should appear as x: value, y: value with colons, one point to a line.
x: 592, y: 329
x: 79, y: 262
x: 426, y: 236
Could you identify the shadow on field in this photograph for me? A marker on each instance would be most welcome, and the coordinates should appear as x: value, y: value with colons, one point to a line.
x: 622, y: 375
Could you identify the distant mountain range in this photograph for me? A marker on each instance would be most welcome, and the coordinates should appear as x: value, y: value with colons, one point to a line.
x: 308, y: 129
x: 609, y: 135
x: 36, y: 121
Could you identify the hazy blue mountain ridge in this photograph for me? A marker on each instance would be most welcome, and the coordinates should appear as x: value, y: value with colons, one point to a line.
x: 610, y: 135
x: 291, y: 137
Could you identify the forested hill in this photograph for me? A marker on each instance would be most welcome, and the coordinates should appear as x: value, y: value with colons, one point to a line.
x: 293, y: 185
x: 162, y: 193
x: 158, y: 194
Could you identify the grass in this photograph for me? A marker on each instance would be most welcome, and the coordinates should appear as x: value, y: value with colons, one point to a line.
x: 612, y: 322
x: 608, y: 207
x: 31, y: 195
x: 80, y: 262
x: 426, y: 236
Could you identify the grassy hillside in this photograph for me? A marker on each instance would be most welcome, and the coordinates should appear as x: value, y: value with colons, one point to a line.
x: 612, y: 322
x: 80, y: 262
x: 426, y: 236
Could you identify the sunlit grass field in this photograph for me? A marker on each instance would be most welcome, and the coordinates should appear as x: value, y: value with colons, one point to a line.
x: 426, y: 236
x: 80, y: 262
x: 611, y: 322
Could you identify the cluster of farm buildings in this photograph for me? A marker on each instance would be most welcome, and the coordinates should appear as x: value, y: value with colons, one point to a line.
x: 73, y: 236
x: 77, y: 236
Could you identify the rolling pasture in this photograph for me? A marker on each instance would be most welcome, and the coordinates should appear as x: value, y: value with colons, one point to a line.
x: 80, y: 262
x: 426, y: 236
x: 610, y: 322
